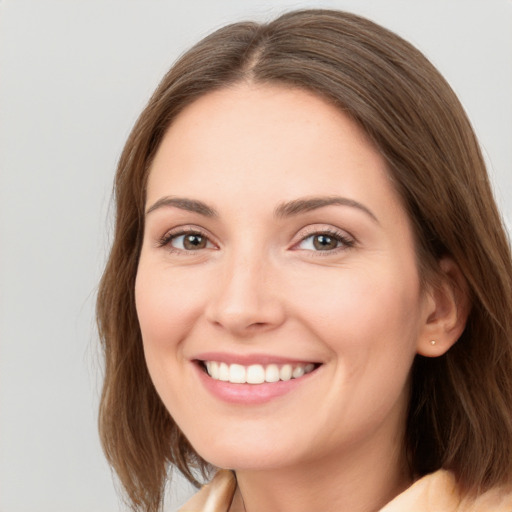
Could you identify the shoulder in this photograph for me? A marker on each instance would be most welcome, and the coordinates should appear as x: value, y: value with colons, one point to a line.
x: 215, y: 496
x: 438, y: 492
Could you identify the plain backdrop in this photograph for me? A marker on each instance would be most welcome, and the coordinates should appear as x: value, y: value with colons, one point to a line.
x: 73, y: 77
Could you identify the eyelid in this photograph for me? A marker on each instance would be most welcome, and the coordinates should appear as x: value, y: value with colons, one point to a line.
x: 347, y: 240
x: 187, y: 229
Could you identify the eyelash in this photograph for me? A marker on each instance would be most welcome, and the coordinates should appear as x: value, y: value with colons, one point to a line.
x: 166, y: 240
x: 346, y: 242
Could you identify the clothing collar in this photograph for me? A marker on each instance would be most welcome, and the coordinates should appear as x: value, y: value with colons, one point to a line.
x: 436, y: 492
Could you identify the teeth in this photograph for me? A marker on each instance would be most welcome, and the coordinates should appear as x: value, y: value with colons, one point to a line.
x: 286, y: 372
x: 213, y: 369
x: 237, y: 374
x: 223, y: 372
x: 256, y: 373
x: 272, y: 373
x: 298, y: 372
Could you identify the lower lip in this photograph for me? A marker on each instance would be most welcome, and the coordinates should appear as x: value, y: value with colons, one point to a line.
x: 250, y: 394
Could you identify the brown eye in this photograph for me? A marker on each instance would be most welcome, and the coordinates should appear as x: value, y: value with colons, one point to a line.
x: 324, y: 242
x: 189, y: 241
x: 194, y: 241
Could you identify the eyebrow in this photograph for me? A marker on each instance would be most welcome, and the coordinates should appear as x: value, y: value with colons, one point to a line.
x: 183, y: 203
x: 287, y: 209
x: 308, y: 204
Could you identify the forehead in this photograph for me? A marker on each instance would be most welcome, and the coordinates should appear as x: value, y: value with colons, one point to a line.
x: 264, y: 141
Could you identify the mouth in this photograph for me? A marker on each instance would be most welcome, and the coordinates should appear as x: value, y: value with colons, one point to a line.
x: 256, y: 373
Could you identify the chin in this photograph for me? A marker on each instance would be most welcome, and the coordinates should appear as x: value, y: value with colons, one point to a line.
x: 242, y: 457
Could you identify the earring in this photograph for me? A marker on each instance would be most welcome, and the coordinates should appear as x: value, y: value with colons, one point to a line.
x: 433, y: 342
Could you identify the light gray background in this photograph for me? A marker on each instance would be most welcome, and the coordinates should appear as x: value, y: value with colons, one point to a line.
x: 73, y: 77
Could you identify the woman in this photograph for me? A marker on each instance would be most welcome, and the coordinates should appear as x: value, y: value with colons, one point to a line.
x: 310, y: 285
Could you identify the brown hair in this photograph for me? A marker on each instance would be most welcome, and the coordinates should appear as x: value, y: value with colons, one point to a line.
x: 460, y: 415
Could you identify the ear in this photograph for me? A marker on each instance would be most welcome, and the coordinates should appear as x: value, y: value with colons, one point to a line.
x: 447, y: 307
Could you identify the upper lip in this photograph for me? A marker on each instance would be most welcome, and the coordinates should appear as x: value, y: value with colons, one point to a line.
x: 248, y: 359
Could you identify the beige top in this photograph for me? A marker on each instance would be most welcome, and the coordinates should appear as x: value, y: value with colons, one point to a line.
x: 436, y: 492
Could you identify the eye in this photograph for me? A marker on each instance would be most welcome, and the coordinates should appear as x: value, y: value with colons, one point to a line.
x: 186, y: 241
x: 189, y: 242
x: 325, y: 241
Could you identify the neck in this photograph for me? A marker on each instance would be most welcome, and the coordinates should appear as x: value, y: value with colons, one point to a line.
x: 357, y: 482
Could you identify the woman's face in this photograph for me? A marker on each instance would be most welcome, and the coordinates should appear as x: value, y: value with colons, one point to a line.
x: 276, y: 246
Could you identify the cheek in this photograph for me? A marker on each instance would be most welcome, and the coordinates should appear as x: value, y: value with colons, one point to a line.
x: 166, y: 305
x: 166, y: 312
x: 167, y: 308
x: 362, y: 310
x: 371, y: 323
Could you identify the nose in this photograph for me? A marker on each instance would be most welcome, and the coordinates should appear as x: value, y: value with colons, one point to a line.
x: 247, y: 299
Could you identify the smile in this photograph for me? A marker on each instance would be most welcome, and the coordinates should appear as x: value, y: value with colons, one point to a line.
x: 256, y: 373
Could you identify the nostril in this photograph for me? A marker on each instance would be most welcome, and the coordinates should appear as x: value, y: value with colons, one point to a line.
x: 256, y: 325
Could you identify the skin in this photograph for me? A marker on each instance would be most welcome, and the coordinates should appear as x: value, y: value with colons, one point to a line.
x: 257, y: 285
